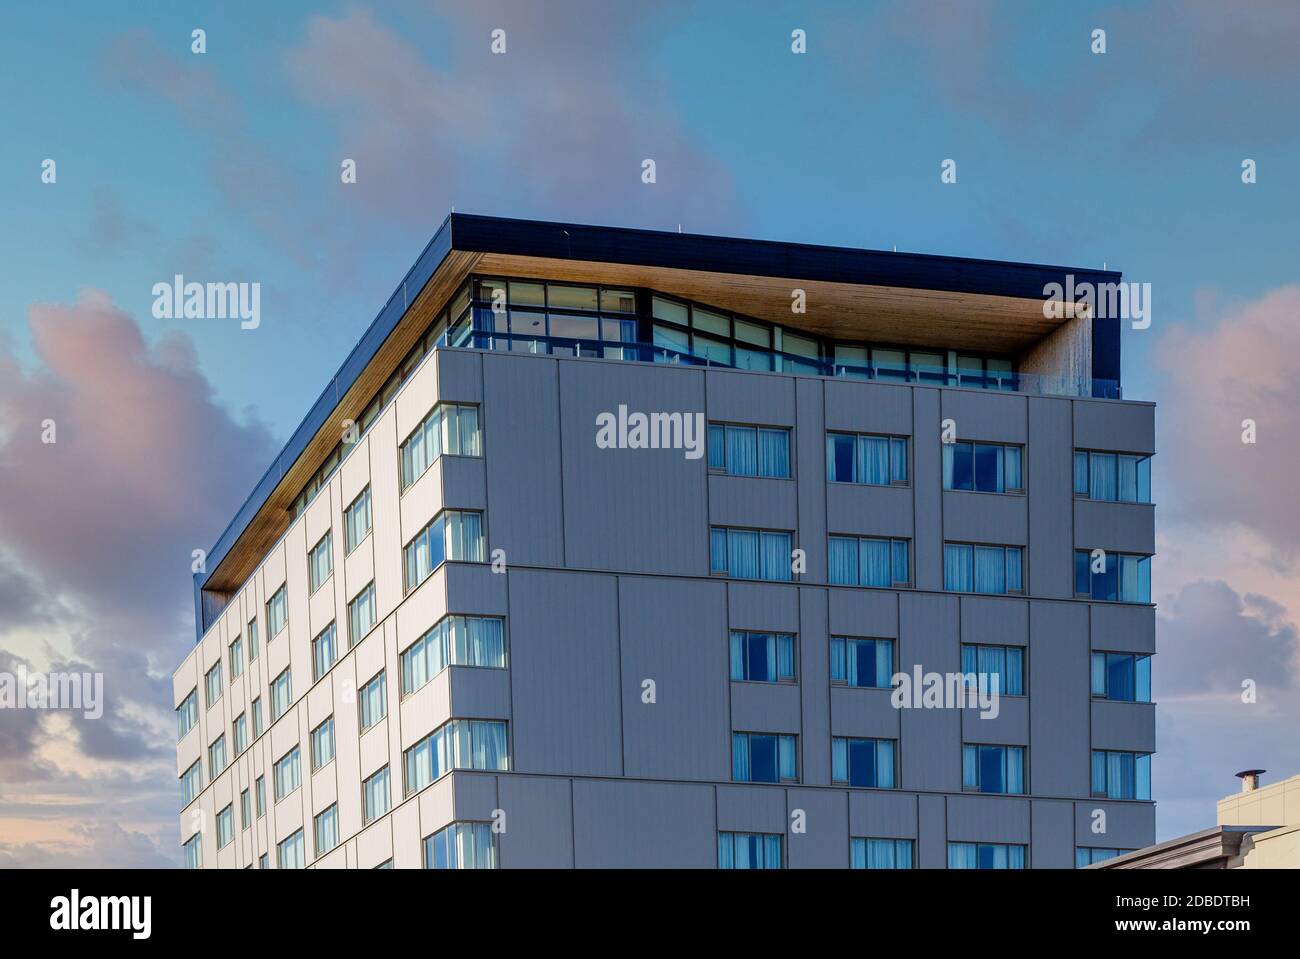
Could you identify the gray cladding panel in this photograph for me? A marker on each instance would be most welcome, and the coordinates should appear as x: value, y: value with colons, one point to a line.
x: 882, y: 815
x: 1049, y: 479
x: 751, y: 809
x: 975, y: 818
x: 1052, y: 830
x: 991, y: 417
x: 1127, y: 825
x: 869, y: 510
x: 754, y: 502
x: 996, y: 518
x: 927, y: 482
x: 1122, y: 527
x: 993, y: 621
x: 1059, y: 695
x: 930, y: 750
x: 539, y: 822
x: 1127, y: 726
x: 1123, y: 628
x: 625, y: 824
x: 869, y: 408
x: 825, y: 842
x: 746, y: 398
x: 1122, y: 427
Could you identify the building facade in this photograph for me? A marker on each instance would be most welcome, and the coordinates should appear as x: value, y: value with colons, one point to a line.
x: 605, y: 548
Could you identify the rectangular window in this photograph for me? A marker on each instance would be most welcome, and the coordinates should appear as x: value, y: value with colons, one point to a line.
x: 762, y: 657
x: 281, y: 694
x: 216, y: 757
x: 985, y: 855
x: 320, y: 563
x: 459, y: 744
x: 322, y: 744
x: 865, y: 663
x: 749, y: 450
x: 191, y: 783
x: 993, y: 769
x: 869, y: 561
x: 1112, y: 477
x: 763, y: 758
x: 994, y: 667
x: 864, y: 762
x: 289, y: 852
x: 187, y: 714
x: 983, y: 467
x: 239, y: 734
x: 373, y: 700
x: 880, y: 853
x: 194, y: 851
x: 325, y: 828
x: 361, y: 615
x: 264, y: 861
x: 750, y: 553
x: 226, y: 827
x: 323, y: 653
x: 257, y: 717
x: 1125, y: 677
x: 462, y: 845
x: 453, y: 535
x: 968, y: 568
x: 245, y: 810
x: 1087, y: 855
x: 287, y: 773
x: 1119, y: 577
x: 213, y: 682
x: 1121, y: 775
x: 237, y: 658
x: 356, y: 521
x: 866, y: 459
x: 259, y: 794
x: 453, y: 641
x: 277, y: 612
x: 749, y: 850
x: 375, y: 795
x: 451, y: 429
x: 252, y: 639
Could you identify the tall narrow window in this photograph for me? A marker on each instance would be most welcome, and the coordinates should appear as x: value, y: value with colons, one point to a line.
x: 869, y: 561
x: 864, y: 762
x: 288, y: 774
x: 216, y: 757
x: 277, y: 613
x: 257, y: 717
x: 325, y: 827
x: 281, y: 694
x: 239, y: 734
x: 187, y: 714
x: 226, y: 826
x: 324, y: 652
x: 213, y: 684
x: 236, y: 658
x: 361, y: 614
x: 320, y: 563
x: 322, y: 744
x: 375, y: 795
x: 289, y: 852
x: 373, y: 700
x: 252, y: 639
x: 194, y: 851
x: 750, y: 553
x: 356, y: 521
x: 763, y: 758
x: 191, y: 783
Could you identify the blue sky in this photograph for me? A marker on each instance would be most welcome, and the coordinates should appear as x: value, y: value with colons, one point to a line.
x: 226, y: 166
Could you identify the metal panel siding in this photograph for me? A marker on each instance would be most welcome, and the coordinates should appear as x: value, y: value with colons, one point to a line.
x: 993, y: 621
x: 754, y: 502
x: 931, y: 747
x: 870, y: 613
x: 975, y: 818
x: 1123, y: 628
x: 869, y: 510
x: 1051, y: 829
x: 1128, y: 825
x: 990, y: 417
x: 539, y: 822
x: 1121, y: 527
x: 765, y: 707
x: 763, y: 607
x: 1124, y: 427
x: 564, y: 673
x: 658, y: 495
x: 521, y: 437
x: 674, y: 632
x: 868, y: 408
x: 927, y: 480
x: 1009, y: 727
x: 809, y: 453
x: 1001, y: 519
x: 882, y: 815
x: 746, y: 398
x: 814, y: 686
x: 931, y: 832
x: 1130, y: 726
x: 1049, y: 481
x: 1059, y: 698
x: 751, y: 809
x: 863, y: 712
x: 824, y: 843
x: 622, y: 824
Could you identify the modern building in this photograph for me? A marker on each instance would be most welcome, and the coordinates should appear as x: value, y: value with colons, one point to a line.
x: 603, y: 548
x: 1240, y: 840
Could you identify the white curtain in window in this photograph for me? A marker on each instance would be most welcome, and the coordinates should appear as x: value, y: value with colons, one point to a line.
x: 1102, y: 467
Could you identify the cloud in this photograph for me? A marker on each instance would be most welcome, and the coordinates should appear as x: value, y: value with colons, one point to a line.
x: 555, y: 126
x: 100, y: 524
x: 1245, y: 365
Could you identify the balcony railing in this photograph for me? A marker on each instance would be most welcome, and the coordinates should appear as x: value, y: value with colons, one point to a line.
x: 774, y: 361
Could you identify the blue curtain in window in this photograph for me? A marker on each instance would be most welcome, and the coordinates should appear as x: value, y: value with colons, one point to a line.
x: 1098, y: 772
x: 970, y: 660
x: 1128, y: 579
x: 1014, y: 679
x: 1102, y: 476
x: 1080, y: 472
x: 844, y: 561
x: 1119, y: 775
x: 884, y: 663
x: 772, y: 852
x: 839, y: 655
x: 1142, y: 674
x: 740, y: 757
x: 487, y: 642
x: 1099, y: 674
x: 970, y: 774
x: 742, y: 451
x: 737, y: 656
x: 858, y: 665
x: 488, y: 745
x: 875, y: 565
x: 958, y: 568
x: 1013, y: 478
x: 992, y: 661
x: 840, y: 760
x: 839, y: 458
x: 880, y: 854
x: 785, y: 657
x: 990, y: 569
x: 726, y: 851
x: 786, y: 757
x: 903, y: 853
x: 873, y: 460
x: 1015, y: 857
x: 962, y: 855
x: 1119, y: 671
x: 885, y: 764
x: 1142, y: 777
x: 717, y: 447
x: 898, y: 460
x: 742, y: 553
x: 717, y: 550
x: 1015, y: 769
x: 902, y: 569
x: 773, y: 453
x: 746, y: 851
x: 857, y: 854
x: 776, y: 556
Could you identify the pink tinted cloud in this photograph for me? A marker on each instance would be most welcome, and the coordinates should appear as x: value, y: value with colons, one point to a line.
x: 1244, y: 366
